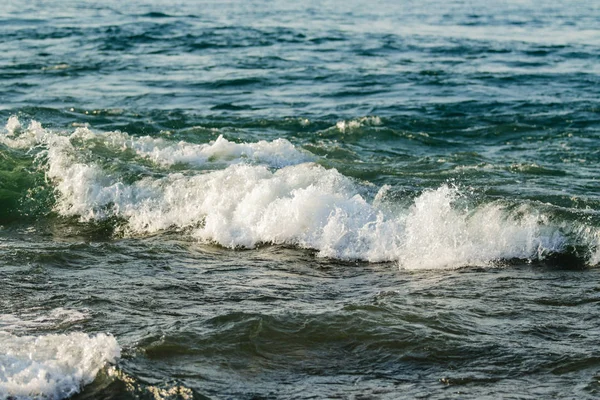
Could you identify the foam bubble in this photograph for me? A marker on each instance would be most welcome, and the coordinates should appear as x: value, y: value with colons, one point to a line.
x: 52, y: 366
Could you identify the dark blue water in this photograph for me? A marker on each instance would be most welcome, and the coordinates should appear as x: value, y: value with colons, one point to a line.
x: 299, y: 200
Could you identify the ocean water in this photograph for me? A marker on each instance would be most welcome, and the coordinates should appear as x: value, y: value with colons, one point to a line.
x: 293, y: 200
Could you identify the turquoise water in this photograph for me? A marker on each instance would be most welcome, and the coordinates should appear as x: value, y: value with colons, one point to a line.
x: 299, y: 200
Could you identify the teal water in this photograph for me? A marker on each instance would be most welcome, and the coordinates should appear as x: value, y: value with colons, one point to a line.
x: 299, y: 200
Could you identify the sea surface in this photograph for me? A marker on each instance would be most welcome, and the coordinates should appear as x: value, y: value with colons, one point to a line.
x: 299, y: 199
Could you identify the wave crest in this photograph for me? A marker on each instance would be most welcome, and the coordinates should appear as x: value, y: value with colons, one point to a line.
x: 302, y: 204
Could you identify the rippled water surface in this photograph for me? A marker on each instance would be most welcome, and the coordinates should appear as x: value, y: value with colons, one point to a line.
x: 299, y: 200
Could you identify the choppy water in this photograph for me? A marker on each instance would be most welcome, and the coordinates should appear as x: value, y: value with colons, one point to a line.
x: 299, y: 200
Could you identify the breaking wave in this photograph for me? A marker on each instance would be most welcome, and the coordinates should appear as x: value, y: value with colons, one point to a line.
x: 52, y: 366
x: 276, y: 197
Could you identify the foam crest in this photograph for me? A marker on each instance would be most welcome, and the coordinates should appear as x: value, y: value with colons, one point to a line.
x: 344, y: 126
x: 13, y: 126
x: 438, y: 234
x: 278, y: 153
x: 17, y: 137
x: 323, y: 211
x: 52, y: 366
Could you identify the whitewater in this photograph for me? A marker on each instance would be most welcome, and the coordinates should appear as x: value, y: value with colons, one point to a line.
x: 263, y: 183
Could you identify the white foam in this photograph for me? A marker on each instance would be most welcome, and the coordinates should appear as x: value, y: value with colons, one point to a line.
x: 13, y: 126
x: 437, y: 234
x: 344, y: 126
x: 278, y: 153
x: 52, y: 366
x: 304, y: 205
